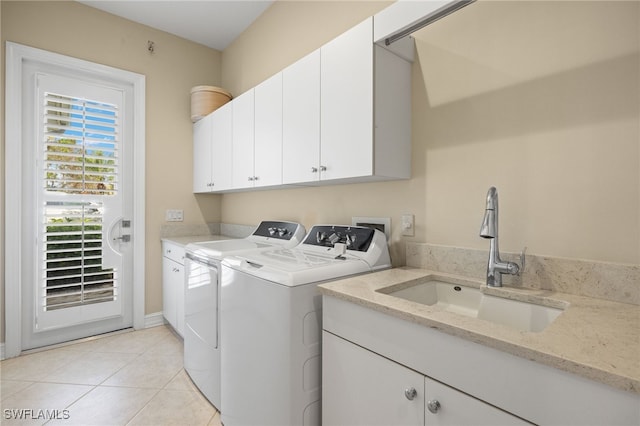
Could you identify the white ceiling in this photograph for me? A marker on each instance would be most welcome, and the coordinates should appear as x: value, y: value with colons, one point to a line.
x: 214, y: 23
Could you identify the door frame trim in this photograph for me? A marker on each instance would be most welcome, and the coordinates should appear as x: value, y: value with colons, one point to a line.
x: 16, y: 55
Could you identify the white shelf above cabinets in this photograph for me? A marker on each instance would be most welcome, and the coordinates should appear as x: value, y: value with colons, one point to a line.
x: 341, y: 114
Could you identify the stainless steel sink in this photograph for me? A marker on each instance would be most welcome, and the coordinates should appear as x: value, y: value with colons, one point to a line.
x: 473, y: 302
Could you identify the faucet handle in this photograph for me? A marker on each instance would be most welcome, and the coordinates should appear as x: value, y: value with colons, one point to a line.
x: 522, y: 261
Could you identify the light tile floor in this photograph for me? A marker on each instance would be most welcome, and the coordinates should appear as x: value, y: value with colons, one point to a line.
x: 131, y: 378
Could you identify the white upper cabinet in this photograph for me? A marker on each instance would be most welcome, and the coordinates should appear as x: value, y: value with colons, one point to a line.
x: 222, y: 133
x: 340, y: 114
x: 301, y: 120
x: 268, y: 132
x: 346, y: 104
x: 212, y: 140
x: 365, y: 125
x: 202, y: 146
x: 243, y: 139
x: 257, y: 136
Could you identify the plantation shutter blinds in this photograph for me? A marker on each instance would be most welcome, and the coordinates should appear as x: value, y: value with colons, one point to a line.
x: 79, y: 170
x: 80, y: 145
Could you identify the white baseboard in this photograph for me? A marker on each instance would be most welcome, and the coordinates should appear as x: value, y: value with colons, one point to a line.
x: 153, y: 320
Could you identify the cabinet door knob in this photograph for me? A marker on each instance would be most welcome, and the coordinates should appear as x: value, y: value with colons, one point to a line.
x: 410, y: 393
x: 433, y: 405
x: 323, y: 168
x: 314, y: 170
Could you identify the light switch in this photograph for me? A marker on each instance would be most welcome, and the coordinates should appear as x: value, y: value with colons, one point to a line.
x: 174, y: 215
x: 408, y: 225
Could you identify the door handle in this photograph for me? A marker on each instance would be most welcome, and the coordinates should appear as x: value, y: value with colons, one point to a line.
x: 124, y: 238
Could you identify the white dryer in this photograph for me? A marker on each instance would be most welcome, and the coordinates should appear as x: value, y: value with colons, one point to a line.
x: 272, y: 314
x: 202, y: 302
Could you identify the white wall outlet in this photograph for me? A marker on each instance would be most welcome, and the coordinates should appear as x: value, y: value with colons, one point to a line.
x: 408, y: 225
x: 174, y: 215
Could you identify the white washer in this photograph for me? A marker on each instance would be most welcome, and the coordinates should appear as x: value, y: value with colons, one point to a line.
x: 272, y: 316
x: 202, y: 302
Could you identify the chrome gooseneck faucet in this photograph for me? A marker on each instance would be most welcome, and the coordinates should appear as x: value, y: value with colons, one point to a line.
x: 489, y: 229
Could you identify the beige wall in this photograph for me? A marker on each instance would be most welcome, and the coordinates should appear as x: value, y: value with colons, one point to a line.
x: 539, y: 99
x: 176, y: 66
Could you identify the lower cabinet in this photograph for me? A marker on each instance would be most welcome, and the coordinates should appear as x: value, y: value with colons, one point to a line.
x: 173, y: 285
x: 361, y: 387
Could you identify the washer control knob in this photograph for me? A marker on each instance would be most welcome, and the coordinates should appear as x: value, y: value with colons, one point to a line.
x: 433, y: 405
x: 410, y: 393
x: 272, y: 231
x: 282, y: 232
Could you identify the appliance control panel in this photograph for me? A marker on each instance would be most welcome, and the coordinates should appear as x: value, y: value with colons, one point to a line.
x: 275, y: 229
x: 353, y: 237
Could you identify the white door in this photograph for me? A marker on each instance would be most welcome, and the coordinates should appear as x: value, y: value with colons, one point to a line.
x: 268, y: 132
x: 301, y: 120
x: 346, y: 110
x: 243, y: 137
x: 222, y: 135
x: 202, y: 146
x: 360, y: 387
x: 79, y: 271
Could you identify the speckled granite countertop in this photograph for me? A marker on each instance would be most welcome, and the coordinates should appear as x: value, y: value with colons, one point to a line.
x: 593, y: 338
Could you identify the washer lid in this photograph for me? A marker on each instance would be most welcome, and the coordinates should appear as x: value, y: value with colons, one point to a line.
x: 219, y: 249
x: 296, y: 267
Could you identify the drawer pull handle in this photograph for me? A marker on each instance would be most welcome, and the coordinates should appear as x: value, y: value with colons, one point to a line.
x: 410, y: 393
x: 433, y: 406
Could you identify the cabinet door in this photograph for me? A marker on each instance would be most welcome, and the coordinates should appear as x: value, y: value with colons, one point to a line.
x: 172, y: 279
x: 346, y: 125
x: 301, y: 120
x: 243, y: 137
x: 202, y: 143
x: 222, y: 135
x: 268, y: 132
x: 178, y: 282
x: 363, y: 388
x: 448, y: 406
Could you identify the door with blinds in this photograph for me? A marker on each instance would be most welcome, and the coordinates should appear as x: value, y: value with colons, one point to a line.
x: 82, y: 259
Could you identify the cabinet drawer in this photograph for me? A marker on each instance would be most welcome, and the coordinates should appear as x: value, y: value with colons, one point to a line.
x: 173, y: 251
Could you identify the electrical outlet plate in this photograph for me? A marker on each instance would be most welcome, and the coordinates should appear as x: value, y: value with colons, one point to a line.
x: 380, y: 223
x: 408, y: 225
x: 174, y: 215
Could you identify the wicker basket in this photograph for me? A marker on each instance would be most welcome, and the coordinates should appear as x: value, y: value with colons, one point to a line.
x: 206, y: 99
